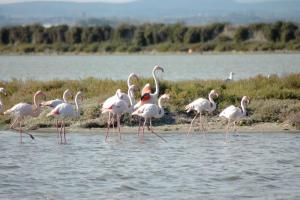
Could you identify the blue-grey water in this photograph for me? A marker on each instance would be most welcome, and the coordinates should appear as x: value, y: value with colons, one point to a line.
x: 177, y: 66
x: 251, y: 166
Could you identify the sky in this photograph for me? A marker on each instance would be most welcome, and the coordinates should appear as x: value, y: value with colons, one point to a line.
x: 111, y: 1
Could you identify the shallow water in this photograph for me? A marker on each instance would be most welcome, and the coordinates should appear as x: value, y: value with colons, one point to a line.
x: 177, y: 66
x: 251, y: 166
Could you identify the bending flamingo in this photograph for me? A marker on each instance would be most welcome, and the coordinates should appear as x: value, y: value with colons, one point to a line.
x: 3, y: 91
x: 22, y: 110
x: 117, y: 107
x: 202, y: 105
x: 65, y: 111
x: 53, y: 103
x: 149, y: 111
x: 233, y: 113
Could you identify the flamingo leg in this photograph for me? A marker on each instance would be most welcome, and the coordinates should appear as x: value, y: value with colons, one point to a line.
x: 118, y: 124
x: 61, y: 129
x: 234, y: 126
x: 20, y: 130
x: 113, y: 123
x: 56, y: 124
x: 192, y: 123
x: 14, y: 122
x: 144, y: 127
x: 65, y: 139
x: 140, y: 121
x: 151, y: 127
x: 227, y: 131
x: 108, y: 126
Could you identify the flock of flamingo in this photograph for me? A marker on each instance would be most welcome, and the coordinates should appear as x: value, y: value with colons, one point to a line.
x: 149, y: 106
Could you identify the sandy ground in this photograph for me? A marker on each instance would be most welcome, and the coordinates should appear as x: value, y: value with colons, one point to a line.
x: 219, y: 128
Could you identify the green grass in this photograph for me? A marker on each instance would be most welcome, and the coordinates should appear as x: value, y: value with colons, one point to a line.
x: 273, y: 99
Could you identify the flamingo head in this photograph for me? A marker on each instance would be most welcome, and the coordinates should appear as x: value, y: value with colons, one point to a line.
x: 134, y: 88
x: 146, y: 89
x: 40, y: 93
x: 68, y: 93
x: 157, y: 67
x: 80, y: 95
x: 135, y: 76
x: 165, y: 96
x: 2, y: 90
x: 214, y: 93
x: 246, y: 99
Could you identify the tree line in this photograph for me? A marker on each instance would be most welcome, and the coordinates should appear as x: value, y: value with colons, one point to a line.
x: 162, y: 37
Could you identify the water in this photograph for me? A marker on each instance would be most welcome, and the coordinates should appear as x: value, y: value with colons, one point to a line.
x: 251, y: 166
x: 177, y: 66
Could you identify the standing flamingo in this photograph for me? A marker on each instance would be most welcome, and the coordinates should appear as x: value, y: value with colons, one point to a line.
x: 22, y: 110
x: 64, y: 111
x: 230, y: 78
x: 233, y: 113
x: 3, y: 91
x: 149, y: 111
x: 118, y: 106
x: 200, y: 105
x: 56, y: 102
x: 147, y: 96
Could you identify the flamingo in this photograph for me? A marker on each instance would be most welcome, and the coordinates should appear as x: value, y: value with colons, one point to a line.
x: 230, y: 78
x: 64, y: 111
x: 149, y: 111
x: 22, y: 110
x: 233, y: 113
x: 55, y: 102
x: 152, y: 97
x: 3, y: 91
x: 201, y: 105
x: 117, y: 105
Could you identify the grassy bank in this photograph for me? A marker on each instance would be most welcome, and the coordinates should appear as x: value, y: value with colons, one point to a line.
x: 274, y: 99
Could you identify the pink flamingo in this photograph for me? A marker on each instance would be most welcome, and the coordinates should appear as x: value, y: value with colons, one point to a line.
x: 117, y: 106
x: 201, y: 105
x: 149, y: 111
x: 233, y: 113
x: 55, y: 102
x: 64, y: 111
x: 3, y: 91
x: 22, y: 110
x: 147, y: 96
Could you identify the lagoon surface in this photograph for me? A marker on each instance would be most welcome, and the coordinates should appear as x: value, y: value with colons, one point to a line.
x: 177, y: 66
x: 251, y: 166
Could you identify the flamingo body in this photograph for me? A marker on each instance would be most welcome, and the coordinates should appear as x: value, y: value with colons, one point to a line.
x: 63, y: 110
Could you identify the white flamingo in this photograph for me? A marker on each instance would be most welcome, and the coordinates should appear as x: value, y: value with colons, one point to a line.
x: 22, y: 110
x: 230, y: 78
x: 149, y: 111
x: 118, y: 106
x: 233, y: 113
x: 55, y: 102
x: 3, y: 91
x: 202, y: 105
x: 147, y: 96
x: 65, y: 111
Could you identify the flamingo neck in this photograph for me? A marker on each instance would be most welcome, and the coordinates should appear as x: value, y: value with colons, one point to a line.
x: 131, y: 96
x: 156, y: 83
x: 65, y: 97
x: 161, y: 111
x: 212, y: 102
x: 243, y: 105
x: 129, y: 80
x: 76, y: 103
x: 34, y: 101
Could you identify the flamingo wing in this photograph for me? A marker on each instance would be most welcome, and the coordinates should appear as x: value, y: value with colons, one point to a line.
x: 52, y: 103
x: 198, y: 105
x: 231, y: 112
